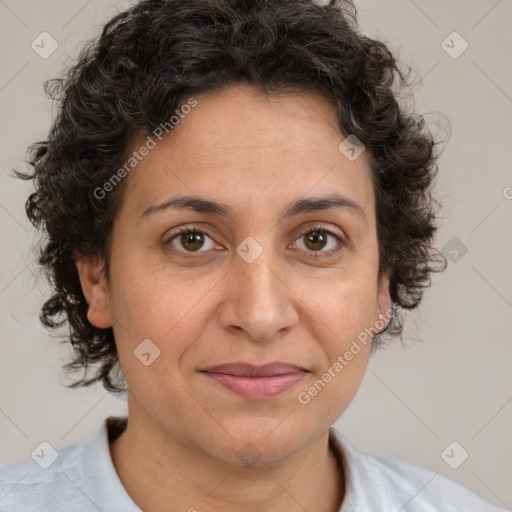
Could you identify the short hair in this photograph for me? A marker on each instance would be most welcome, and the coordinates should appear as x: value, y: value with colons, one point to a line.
x: 133, y: 77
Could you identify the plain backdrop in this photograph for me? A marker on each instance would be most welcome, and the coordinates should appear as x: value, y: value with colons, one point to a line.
x: 454, y: 384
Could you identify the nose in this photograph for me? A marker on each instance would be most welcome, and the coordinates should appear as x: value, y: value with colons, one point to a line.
x: 259, y: 300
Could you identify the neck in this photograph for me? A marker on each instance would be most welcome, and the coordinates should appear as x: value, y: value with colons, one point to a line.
x: 157, y: 470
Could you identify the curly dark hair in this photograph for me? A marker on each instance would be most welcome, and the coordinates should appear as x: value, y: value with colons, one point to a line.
x: 132, y: 78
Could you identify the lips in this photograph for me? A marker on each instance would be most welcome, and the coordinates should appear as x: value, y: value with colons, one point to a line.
x: 249, y: 370
x: 256, y: 382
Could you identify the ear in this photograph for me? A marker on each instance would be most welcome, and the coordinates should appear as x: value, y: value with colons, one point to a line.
x: 95, y: 289
x: 383, y: 297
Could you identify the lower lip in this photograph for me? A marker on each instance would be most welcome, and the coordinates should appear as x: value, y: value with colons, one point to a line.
x: 257, y: 388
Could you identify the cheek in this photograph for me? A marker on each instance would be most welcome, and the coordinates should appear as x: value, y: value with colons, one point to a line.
x: 157, y: 305
x: 341, y: 308
x: 341, y: 315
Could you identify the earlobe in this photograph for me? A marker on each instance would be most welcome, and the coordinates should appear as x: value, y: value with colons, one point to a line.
x: 95, y: 289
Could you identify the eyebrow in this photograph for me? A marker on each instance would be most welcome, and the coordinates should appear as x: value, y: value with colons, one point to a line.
x: 303, y: 205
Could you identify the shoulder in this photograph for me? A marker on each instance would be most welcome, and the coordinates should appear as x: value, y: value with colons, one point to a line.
x: 425, y: 488
x: 378, y: 483
x: 40, y: 483
x: 79, y: 477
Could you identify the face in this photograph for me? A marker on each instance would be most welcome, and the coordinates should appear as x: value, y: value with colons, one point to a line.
x: 263, y: 279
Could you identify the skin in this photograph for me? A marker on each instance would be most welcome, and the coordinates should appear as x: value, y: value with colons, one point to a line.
x: 255, y: 155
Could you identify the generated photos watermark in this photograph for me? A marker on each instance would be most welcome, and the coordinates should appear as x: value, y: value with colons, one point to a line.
x: 144, y: 149
x: 304, y: 397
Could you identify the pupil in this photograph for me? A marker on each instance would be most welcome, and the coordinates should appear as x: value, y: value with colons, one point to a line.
x: 316, y: 237
x: 192, y: 241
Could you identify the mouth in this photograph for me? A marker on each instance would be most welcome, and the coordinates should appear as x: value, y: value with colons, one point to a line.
x: 256, y: 382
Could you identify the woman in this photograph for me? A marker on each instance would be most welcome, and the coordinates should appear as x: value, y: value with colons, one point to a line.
x: 236, y: 210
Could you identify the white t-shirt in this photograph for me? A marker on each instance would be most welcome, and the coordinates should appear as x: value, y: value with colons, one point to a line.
x: 83, y: 478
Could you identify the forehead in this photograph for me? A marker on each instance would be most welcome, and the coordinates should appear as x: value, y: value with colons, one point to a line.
x: 246, y: 149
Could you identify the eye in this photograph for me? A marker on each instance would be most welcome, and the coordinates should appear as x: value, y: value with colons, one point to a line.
x: 316, y: 239
x: 190, y: 240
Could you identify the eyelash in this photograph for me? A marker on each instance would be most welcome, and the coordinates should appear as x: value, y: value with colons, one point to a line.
x: 314, y: 254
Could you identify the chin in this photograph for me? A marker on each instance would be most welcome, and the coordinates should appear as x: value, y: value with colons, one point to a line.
x: 262, y: 441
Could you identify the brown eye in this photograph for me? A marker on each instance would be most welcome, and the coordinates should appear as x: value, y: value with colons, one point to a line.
x: 318, y: 239
x: 190, y: 240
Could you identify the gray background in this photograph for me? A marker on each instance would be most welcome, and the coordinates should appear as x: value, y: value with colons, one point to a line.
x: 454, y: 385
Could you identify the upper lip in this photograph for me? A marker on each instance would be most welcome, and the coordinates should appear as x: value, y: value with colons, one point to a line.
x: 249, y: 370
